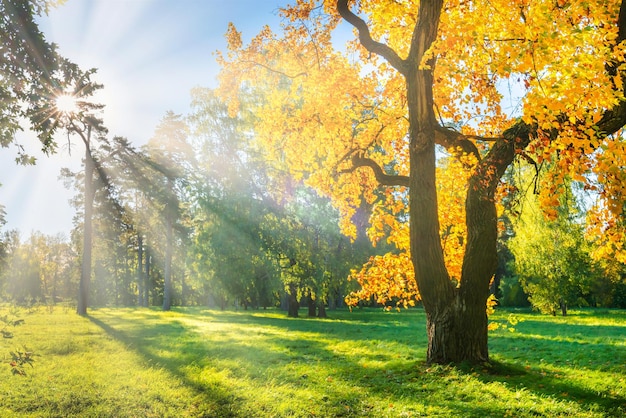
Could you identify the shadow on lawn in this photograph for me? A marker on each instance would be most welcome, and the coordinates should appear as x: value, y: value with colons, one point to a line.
x: 257, y: 349
x: 215, y: 401
x: 550, y: 384
x: 540, y: 358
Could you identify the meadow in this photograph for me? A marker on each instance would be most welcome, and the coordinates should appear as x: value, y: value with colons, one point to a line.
x: 195, y: 362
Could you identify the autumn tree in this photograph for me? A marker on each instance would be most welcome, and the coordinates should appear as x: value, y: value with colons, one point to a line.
x: 425, y: 76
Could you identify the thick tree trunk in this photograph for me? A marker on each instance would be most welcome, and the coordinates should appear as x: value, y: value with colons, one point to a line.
x: 85, y: 273
x: 458, y: 333
x: 456, y: 316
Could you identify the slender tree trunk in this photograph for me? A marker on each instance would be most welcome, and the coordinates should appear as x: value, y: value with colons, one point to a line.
x: 169, y: 237
x: 312, y: 306
x: 140, y: 281
x: 146, y: 278
x: 183, y: 290
x: 167, y: 271
x: 85, y: 273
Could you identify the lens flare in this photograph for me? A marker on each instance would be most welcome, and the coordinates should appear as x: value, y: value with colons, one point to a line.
x: 66, y: 103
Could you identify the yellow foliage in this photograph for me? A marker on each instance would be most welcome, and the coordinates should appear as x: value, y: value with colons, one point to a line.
x: 542, y: 60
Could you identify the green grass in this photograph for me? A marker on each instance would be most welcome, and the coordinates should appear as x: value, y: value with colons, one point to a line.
x: 196, y: 362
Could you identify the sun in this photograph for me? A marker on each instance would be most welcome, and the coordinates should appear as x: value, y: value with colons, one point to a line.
x: 66, y: 103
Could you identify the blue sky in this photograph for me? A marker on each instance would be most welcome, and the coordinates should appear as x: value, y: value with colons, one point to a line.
x: 149, y: 55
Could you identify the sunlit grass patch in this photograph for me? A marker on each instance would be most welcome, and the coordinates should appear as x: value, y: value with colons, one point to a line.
x: 198, y: 362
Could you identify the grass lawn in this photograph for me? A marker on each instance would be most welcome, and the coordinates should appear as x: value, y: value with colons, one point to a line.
x: 196, y: 362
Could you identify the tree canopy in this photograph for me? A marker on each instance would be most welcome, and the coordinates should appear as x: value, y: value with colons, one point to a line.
x: 28, y: 68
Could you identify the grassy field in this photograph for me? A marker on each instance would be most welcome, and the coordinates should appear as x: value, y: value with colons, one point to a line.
x: 196, y: 362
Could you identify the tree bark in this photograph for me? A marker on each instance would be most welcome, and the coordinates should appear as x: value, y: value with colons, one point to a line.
x: 456, y: 317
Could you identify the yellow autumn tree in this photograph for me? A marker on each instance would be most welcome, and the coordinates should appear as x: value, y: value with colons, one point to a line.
x: 371, y: 121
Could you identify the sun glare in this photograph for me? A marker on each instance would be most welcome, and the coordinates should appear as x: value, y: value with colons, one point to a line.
x: 66, y: 103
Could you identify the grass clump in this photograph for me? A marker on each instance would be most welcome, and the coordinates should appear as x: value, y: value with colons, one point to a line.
x: 196, y: 362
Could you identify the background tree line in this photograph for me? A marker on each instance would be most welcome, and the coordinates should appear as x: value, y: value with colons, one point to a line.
x: 206, y: 214
x: 198, y: 217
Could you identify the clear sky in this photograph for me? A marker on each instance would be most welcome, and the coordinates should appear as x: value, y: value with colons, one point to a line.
x: 149, y: 55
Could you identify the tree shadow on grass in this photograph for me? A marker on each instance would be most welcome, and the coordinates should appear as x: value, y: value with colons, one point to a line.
x: 551, y: 385
x: 298, y: 358
x: 216, y: 401
x: 543, y: 361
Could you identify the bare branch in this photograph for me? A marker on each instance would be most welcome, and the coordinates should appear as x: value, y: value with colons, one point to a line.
x: 366, y: 40
x: 532, y: 162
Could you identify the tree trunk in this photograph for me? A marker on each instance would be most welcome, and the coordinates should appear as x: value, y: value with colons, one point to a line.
x: 167, y: 271
x: 169, y: 244
x: 456, y: 316
x: 458, y: 333
x: 292, y: 299
x: 140, y: 282
x: 183, y: 290
x: 146, y: 278
x: 85, y: 273
x: 321, y: 310
x: 332, y: 301
x: 312, y: 306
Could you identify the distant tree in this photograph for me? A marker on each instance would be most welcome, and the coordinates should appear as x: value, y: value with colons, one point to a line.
x: 260, y: 231
x: 234, y: 197
x: 174, y: 160
x: 552, y: 258
x: 21, y: 274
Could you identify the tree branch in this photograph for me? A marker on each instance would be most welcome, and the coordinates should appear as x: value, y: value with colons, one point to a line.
x: 454, y: 141
x: 384, y: 179
x: 366, y: 40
